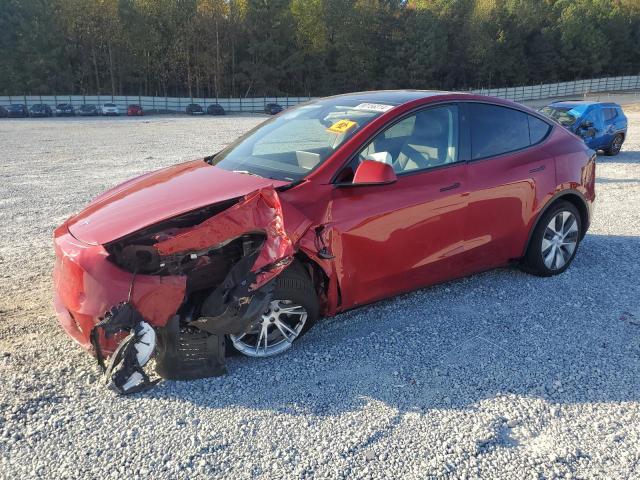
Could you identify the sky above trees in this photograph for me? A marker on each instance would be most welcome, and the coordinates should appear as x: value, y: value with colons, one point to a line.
x: 230, y: 48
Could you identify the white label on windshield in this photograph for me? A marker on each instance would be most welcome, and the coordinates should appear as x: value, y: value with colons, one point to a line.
x: 373, y: 107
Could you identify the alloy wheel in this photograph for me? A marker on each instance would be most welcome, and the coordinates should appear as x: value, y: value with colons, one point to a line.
x: 616, y: 145
x: 559, y: 240
x: 274, y: 331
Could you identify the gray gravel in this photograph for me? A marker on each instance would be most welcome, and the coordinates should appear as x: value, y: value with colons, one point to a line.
x: 499, y: 375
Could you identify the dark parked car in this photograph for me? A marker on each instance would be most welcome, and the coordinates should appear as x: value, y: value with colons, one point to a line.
x: 194, y: 109
x: 246, y: 248
x: 135, y: 111
x: 215, y: 109
x: 88, y: 110
x: 65, y: 110
x: 3, y: 112
x: 17, y: 110
x: 40, y: 110
x: 273, y: 108
x: 603, y: 126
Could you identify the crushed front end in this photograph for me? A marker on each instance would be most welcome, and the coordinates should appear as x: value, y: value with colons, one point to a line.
x: 176, y: 288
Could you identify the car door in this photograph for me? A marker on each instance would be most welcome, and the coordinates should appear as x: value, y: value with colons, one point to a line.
x: 593, y: 136
x: 509, y: 174
x: 401, y: 236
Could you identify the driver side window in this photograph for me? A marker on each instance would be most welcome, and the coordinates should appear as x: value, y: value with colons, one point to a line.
x: 426, y: 139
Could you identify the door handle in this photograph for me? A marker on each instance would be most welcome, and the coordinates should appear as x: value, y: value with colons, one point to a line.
x: 537, y: 169
x: 450, y: 187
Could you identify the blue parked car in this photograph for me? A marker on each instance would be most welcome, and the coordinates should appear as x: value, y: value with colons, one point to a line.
x: 603, y: 126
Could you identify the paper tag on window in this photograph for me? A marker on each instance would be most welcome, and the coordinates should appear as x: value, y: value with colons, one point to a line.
x: 373, y: 107
x: 342, y: 126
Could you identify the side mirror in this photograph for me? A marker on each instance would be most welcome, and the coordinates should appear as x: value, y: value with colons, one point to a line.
x: 372, y: 172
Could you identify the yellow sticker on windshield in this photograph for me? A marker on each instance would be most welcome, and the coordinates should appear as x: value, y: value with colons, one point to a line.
x: 341, y: 126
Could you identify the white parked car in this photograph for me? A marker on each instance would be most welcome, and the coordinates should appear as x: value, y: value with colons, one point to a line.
x: 109, y: 109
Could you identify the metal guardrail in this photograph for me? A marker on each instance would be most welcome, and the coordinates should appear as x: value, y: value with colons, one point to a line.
x: 564, y: 89
x: 256, y: 105
x: 155, y: 104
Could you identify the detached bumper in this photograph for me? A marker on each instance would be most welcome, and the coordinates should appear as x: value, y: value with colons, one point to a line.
x: 87, y: 285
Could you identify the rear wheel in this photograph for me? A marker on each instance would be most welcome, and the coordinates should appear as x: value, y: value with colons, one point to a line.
x: 291, y: 313
x: 555, y: 241
x: 616, y: 145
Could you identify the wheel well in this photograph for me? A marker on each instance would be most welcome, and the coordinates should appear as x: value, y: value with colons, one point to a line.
x: 317, y: 274
x: 577, y: 202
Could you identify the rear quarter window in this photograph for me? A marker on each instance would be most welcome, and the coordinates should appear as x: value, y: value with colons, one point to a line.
x: 538, y: 129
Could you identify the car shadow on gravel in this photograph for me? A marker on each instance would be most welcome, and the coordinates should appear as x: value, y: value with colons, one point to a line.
x: 566, y: 339
x: 625, y: 156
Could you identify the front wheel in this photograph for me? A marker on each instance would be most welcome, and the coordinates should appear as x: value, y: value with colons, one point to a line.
x: 555, y: 241
x: 291, y: 313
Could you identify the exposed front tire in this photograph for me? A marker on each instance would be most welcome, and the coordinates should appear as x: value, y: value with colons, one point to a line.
x: 291, y: 313
x: 555, y: 241
x: 616, y: 145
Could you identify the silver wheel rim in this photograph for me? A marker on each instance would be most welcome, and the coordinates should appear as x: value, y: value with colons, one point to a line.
x: 274, y: 331
x: 559, y: 240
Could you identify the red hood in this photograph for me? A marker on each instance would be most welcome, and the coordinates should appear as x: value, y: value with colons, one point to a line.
x: 158, y: 196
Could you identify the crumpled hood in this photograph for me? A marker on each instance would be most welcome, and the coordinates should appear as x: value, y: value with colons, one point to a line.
x: 158, y: 196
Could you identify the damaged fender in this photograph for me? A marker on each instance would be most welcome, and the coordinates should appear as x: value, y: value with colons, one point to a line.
x: 229, y: 308
x: 258, y: 211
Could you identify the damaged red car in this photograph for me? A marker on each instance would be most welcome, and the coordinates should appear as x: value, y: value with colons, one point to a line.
x: 333, y: 204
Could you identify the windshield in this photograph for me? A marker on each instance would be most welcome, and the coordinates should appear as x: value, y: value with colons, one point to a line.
x: 109, y: 105
x: 294, y: 143
x: 566, y: 116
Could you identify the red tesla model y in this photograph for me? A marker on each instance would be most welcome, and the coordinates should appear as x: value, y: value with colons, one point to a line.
x: 330, y: 205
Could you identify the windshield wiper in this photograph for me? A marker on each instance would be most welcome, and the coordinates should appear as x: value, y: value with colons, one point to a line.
x: 247, y: 172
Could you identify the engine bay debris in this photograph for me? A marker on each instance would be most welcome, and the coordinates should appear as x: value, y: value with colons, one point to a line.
x: 230, y: 261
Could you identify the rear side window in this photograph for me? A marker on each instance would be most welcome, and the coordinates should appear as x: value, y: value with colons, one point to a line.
x: 610, y: 113
x: 537, y: 129
x: 496, y: 130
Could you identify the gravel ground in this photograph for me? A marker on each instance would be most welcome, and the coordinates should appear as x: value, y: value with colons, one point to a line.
x: 499, y: 375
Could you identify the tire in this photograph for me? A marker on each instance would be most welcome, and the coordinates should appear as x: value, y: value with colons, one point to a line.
x: 616, y: 145
x: 550, y: 253
x: 293, y: 291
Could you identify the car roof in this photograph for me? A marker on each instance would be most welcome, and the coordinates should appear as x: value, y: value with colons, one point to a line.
x: 584, y: 103
x: 396, y: 97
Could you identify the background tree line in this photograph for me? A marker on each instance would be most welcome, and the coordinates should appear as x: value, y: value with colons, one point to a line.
x: 308, y: 47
